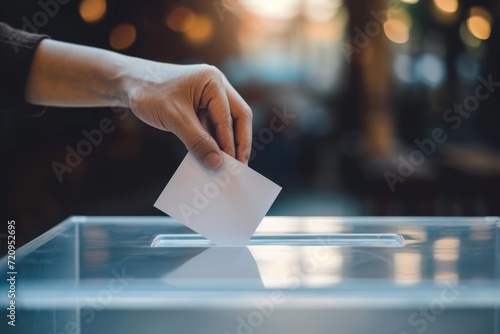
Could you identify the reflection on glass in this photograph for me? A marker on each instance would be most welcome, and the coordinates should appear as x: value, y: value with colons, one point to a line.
x: 291, y: 267
x: 481, y: 233
x: 95, y: 246
x: 445, y: 274
x: 446, y: 252
x: 319, y: 225
x: 446, y: 249
x: 413, y: 235
x: 217, y: 265
x: 407, y: 267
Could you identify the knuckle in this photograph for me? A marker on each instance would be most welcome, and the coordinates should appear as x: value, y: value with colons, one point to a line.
x: 199, y: 142
x: 226, y: 121
x: 244, y: 150
x: 243, y: 147
x: 211, y: 74
x: 247, y: 113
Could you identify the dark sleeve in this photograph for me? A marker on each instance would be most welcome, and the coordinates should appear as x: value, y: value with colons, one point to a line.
x: 16, y: 53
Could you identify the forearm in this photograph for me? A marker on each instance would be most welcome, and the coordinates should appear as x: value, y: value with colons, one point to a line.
x: 165, y: 96
x: 69, y: 75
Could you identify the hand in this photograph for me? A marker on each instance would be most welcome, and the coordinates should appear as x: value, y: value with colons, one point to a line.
x: 168, y: 97
x: 173, y: 97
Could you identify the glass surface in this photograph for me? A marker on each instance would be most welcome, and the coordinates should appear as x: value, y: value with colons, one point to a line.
x: 340, y: 239
x: 296, y: 275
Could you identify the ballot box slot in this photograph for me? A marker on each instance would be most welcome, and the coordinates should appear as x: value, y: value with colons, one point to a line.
x: 340, y: 239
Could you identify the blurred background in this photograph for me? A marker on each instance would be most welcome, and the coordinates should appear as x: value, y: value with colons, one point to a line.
x: 365, y: 107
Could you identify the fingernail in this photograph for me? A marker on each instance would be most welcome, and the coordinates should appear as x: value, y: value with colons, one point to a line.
x: 212, y: 160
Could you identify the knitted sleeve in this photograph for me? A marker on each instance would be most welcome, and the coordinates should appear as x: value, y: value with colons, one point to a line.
x: 16, y: 53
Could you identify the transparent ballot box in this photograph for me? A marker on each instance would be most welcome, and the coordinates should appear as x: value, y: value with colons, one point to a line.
x: 308, y: 275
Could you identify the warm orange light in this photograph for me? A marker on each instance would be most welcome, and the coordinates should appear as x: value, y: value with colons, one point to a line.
x: 397, y: 30
x: 181, y: 19
x: 446, y: 249
x: 447, y: 6
x: 92, y: 11
x: 479, y: 23
x: 467, y: 37
x: 201, y: 31
x: 407, y: 267
x: 324, y: 31
x: 321, y: 10
x: 479, y: 27
x: 482, y: 12
x: 273, y: 9
x: 122, y: 36
x: 445, y: 275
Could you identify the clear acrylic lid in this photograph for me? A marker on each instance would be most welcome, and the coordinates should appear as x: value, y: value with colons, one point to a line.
x: 314, y: 261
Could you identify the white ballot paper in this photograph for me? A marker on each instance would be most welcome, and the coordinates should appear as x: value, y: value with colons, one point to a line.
x: 224, y: 205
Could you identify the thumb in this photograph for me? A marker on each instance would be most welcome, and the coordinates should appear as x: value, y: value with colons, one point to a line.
x: 204, y: 147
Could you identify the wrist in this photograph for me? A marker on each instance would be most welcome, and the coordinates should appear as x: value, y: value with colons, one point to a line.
x: 122, y: 80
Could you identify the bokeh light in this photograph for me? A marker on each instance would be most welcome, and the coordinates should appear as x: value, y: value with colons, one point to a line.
x: 430, y: 70
x: 404, y: 68
x: 181, y: 19
x: 92, y: 11
x: 321, y: 10
x: 327, y: 32
x: 447, y: 6
x: 479, y: 23
x: 397, y: 27
x: 122, y: 36
x: 201, y: 31
x: 283, y: 9
x: 467, y: 67
x: 447, y: 249
x: 412, y: 2
x: 467, y: 37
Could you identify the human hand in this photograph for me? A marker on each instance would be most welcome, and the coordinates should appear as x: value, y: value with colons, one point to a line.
x: 172, y: 97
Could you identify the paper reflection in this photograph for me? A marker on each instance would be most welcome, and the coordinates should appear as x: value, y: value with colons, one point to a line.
x: 218, y: 265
